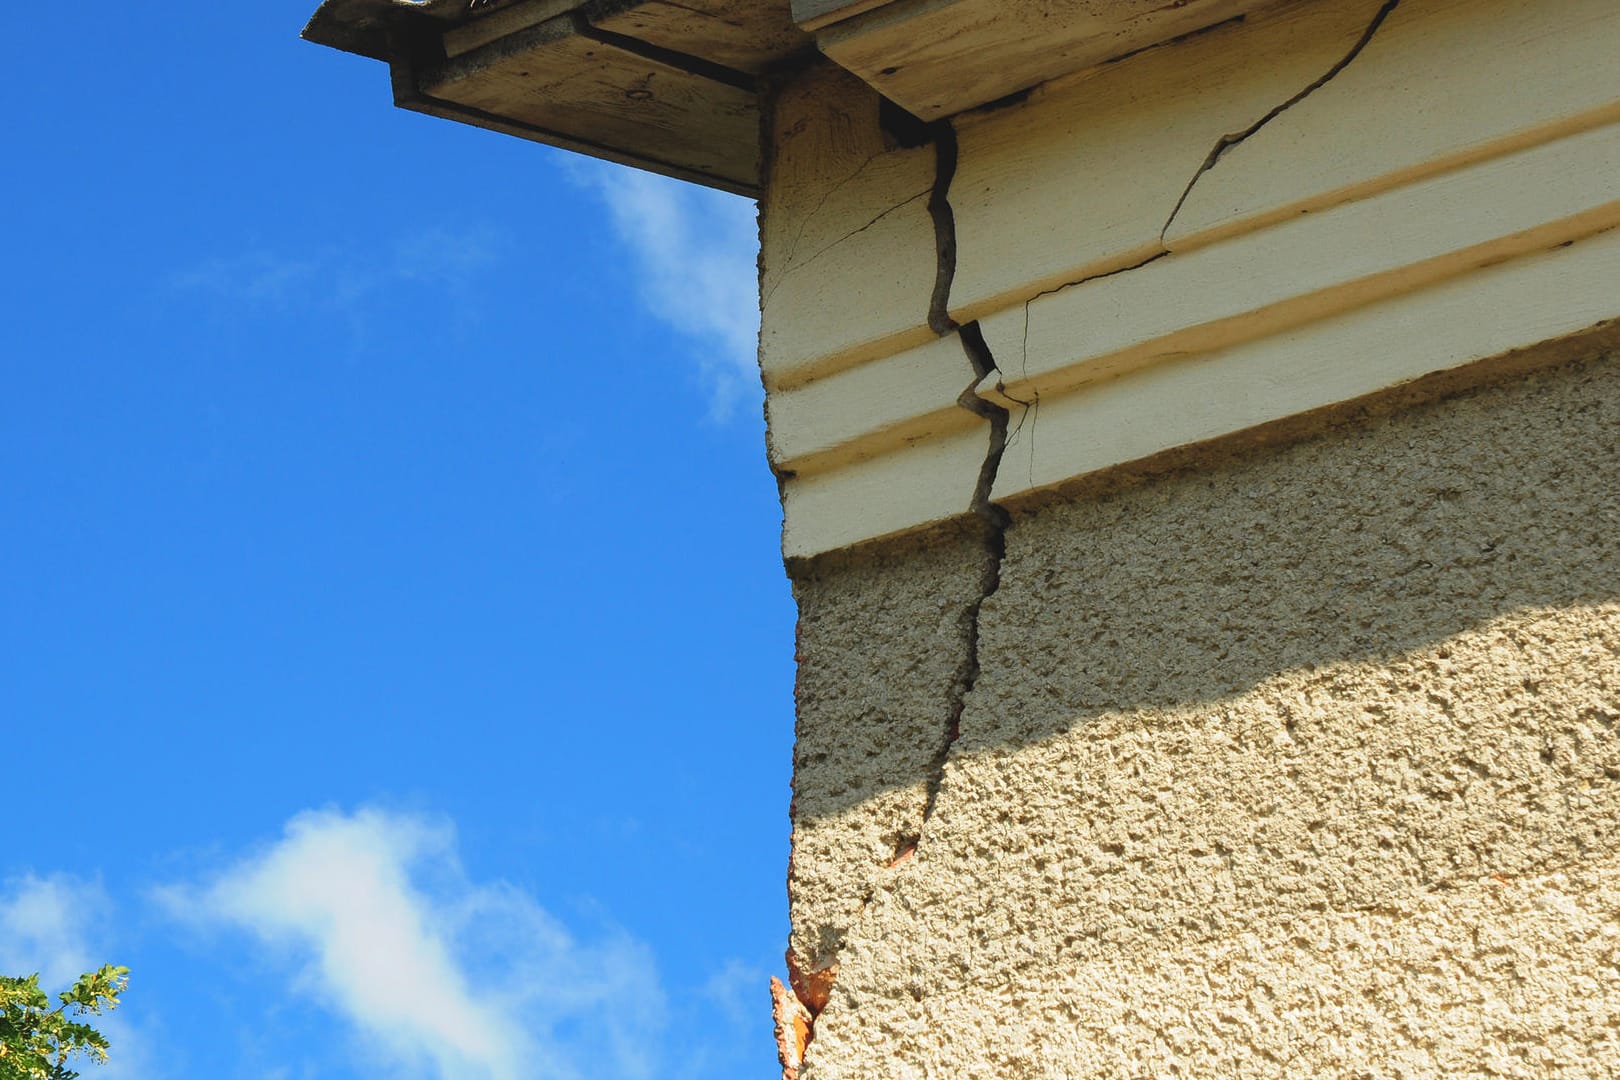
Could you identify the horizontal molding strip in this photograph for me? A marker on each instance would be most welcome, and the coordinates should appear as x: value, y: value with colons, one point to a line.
x: 873, y: 409
x: 1152, y: 269
x: 1092, y: 174
x: 1243, y: 288
x: 1487, y: 313
x: 1310, y: 268
x: 1491, y: 313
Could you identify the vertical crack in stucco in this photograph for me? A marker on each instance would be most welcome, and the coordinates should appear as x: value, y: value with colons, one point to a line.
x: 798, y: 1013
x: 1227, y: 142
x: 993, y: 519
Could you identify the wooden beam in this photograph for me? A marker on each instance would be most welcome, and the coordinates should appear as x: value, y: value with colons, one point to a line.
x: 741, y: 34
x: 558, y: 82
x: 814, y: 14
x: 665, y: 85
x: 941, y: 57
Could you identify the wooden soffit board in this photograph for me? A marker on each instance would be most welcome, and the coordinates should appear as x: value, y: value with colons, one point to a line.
x: 662, y: 85
x: 937, y: 58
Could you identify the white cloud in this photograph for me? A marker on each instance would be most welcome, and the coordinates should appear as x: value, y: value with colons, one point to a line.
x: 439, y: 975
x: 738, y: 990
x: 45, y: 926
x: 695, y: 253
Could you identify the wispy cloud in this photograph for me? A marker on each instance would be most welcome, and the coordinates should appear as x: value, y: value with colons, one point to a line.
x: 439, y: 975
x: 344, y: 280
x: 695, y: 253
x: 45, y: 927
x: 56, y: 926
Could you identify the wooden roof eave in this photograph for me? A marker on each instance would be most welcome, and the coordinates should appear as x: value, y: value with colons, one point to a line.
x: 615, y: 79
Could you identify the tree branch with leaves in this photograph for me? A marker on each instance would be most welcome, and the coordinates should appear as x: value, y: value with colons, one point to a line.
x: 37, y: 1042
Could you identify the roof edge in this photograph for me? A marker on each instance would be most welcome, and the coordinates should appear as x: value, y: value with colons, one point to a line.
x: 363, y: 27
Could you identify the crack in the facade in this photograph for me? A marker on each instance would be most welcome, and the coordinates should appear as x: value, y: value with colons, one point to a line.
x: 1032, y: 407
x: 896, y: 208
x: 993, y: 519
x: 812, y: 989
x: 944, y: 217
x: 804, y: 223
x: 1227, y: 142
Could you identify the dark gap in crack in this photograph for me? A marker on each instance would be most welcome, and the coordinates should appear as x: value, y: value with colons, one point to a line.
x: 804, y: 222
x: 992, y: 519
x: 978, y: 351
x: 1226, y: 142
x: 939, y: 208
x: 1177, y: 40
x: 856, y: 232
x: 993, y: 522
x: 908, y: 132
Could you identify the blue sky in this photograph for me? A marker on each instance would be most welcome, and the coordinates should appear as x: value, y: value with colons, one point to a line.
x: 395, y: 656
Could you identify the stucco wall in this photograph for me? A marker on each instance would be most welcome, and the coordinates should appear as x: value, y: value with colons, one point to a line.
x: 1302, y: 762
x: 878, y: 697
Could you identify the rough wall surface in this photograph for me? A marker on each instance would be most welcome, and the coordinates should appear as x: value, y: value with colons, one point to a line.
x: 878, y: 699
x: 1301, y: 765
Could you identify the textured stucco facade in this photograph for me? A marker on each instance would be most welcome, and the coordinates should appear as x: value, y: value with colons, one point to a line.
x: 1305, y: 762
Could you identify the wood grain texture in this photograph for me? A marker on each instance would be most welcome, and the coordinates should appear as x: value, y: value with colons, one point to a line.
x: 741, y: 34
x: 814, y: 14
x: 940, y: 57
x: 481, y: 30
x: 548, y: 78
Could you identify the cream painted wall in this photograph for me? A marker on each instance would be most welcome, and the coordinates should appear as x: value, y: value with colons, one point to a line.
x: 1193, y: 242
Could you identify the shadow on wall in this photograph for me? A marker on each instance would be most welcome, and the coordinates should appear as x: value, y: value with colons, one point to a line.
x: 1359, y: 548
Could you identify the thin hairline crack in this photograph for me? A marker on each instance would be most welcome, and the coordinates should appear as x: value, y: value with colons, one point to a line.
x: 1226, y: 142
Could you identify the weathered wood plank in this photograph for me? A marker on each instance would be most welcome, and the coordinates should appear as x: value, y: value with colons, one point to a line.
x: 668, y: 85
x: 814, y: 14
x: 549, y: 78
x: 483, y: 29
x: 741, y: 34
x: 940, y: 57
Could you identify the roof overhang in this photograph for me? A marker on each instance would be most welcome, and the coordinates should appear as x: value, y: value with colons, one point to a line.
x: 674, y: 87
